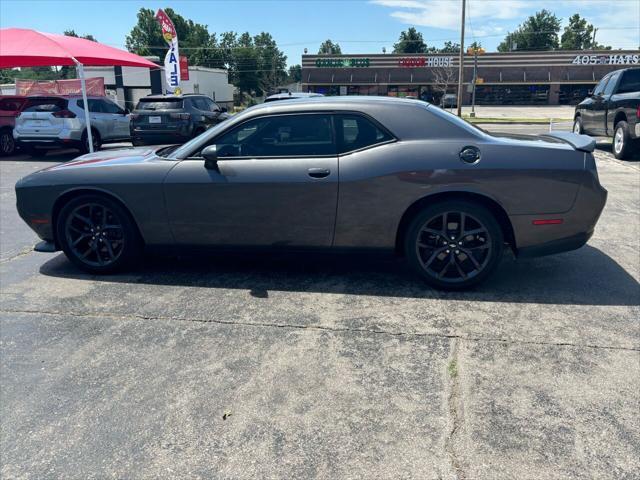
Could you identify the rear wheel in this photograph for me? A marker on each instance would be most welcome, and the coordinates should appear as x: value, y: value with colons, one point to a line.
x: 454, y: 245
x: 622, y: 143
x: 7, y: 143
x: 97, y: 142
x: 98, y: 235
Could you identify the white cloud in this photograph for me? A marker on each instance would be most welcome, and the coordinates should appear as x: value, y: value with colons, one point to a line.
x: 445, y: 14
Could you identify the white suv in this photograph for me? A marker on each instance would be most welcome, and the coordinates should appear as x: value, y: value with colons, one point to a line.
x: 48, y: 122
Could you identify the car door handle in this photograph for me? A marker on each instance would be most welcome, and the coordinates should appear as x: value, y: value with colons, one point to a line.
x: 319, y: 172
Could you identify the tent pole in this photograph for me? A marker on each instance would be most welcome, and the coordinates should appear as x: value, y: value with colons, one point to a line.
x: 85, y: 102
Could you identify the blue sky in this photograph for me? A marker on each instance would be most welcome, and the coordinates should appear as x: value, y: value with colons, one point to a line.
x: 364, y: 26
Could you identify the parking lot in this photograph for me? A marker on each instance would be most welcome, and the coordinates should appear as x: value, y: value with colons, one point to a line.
x: 322, y: 366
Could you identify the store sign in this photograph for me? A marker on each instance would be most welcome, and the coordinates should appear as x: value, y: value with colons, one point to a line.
x: 342, y: 62
x: 606, y: 60
x: 415, y: 62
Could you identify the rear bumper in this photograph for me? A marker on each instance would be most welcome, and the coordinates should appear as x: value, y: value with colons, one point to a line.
x: 47, y: 141
x: 576, y: 227
x: 155, y: 138
x: 555, y: 246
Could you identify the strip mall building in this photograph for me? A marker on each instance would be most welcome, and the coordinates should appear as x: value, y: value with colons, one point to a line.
x: 525, y: 78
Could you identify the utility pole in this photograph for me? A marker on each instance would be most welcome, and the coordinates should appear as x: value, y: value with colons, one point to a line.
x: 475, y: 80
x: 461, y: 60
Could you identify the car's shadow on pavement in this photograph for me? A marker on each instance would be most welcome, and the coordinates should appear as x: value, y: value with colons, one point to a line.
x: 584, y: 277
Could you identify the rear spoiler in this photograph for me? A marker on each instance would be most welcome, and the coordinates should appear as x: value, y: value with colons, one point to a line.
x: 583, y: 143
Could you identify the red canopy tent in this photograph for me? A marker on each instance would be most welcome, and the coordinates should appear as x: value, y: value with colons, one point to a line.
x: 20, y: 47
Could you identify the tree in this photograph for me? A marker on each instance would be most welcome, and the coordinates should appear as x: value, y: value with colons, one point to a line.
x: 271, y: 62
x: 329, y: 48
x: 295, y: 74
x: 444, y: 78
x: 579, y: 35
x: 538, y: 32
x: 72, y: 33
x: 411, y: 41
x: 450, y: 47
x: 194, y: 39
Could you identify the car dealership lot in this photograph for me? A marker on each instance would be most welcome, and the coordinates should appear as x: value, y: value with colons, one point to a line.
x: 324, y: 366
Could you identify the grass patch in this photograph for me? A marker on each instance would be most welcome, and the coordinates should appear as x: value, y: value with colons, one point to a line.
x: 452, y: 368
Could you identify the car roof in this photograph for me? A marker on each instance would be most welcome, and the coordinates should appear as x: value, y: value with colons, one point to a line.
x: 288, y: 95
x: 170, y: 97
x: 336, y: 103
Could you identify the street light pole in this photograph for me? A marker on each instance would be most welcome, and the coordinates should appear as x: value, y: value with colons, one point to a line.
x: 461, y: 61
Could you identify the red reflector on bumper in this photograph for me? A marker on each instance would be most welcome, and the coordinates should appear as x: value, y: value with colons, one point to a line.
x: 39, y: 221
x: 551, y: 221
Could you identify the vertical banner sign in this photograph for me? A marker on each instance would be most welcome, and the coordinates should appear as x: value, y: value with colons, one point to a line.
x: 171, y: 60
x: 184, y: 68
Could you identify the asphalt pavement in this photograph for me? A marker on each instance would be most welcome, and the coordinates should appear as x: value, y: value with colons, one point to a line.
x: 292, y: 366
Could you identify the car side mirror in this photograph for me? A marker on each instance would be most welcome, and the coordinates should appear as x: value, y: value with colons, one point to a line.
x: 210, y: 155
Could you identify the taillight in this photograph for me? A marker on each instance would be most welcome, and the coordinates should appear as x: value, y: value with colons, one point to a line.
x: 64, y: 114
x: 638, y: 112
x: 180, y: 116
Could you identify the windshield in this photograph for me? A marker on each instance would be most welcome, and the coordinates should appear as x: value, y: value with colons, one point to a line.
x: 159, y: 104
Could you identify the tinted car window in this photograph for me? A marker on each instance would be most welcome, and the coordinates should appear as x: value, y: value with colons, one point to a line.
x: 94, y: 105
x: 600, y: 87
x: 110, y: 107
x: 356, y: 132
x: 159, y: 104
x: 45, y: 105
x: 611, y: 84
x: 10, y: 104
x: 279, y: 136
x: 630, y: 81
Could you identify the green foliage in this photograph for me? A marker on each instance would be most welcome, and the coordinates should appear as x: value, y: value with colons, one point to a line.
x: 411, y: 41
x: 450, y: 47
x: 329, y: 48
x: 256, y: 65
x: 538, y: 32
x: 294, y: 74
x: 580, y: 35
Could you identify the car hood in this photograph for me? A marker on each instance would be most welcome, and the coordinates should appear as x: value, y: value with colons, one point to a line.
x: 110, y: 158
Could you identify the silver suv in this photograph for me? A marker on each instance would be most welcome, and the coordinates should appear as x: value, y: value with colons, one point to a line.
x: 47, y: 122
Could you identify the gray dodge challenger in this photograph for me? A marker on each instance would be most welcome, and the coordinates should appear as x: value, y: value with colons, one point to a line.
x: 327, y: 173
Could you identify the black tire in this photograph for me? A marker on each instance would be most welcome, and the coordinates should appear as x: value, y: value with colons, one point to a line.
x: 137, y: 143
x: 97, y: 141
x: 106, y: 246
x: 622, y: 145
x: 577, y: 126
x: 463, y: 259
x: 7, y: 143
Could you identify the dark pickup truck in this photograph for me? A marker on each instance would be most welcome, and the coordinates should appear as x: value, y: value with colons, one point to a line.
x: 613, y: 110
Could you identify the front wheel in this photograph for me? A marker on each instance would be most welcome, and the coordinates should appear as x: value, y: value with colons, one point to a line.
x: 454, y: 245
x: 622, y: 143
x: 577, y: 126
x: 95, y: 137
x: 98, y: 235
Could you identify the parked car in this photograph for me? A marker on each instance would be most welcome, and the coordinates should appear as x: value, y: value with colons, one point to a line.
x: 47, y: 122
x: 613, y: 110
x: 10, y: 106
x: 328, y: 173
x: 449, y: 100
x: 163, y: 119
x: 291, y: 96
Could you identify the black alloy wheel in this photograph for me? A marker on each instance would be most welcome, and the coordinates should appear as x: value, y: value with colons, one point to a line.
x: 97, y: 234
x: 7, y: 143
x: 454, y: 245
x: 95, y: 138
